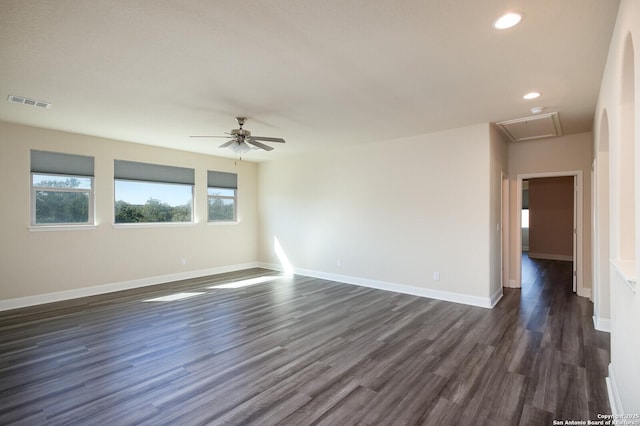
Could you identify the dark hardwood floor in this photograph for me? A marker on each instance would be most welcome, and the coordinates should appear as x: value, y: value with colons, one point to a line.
x: 301, y: 351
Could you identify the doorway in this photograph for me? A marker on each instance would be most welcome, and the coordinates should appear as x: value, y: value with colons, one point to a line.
x: 574, y: 253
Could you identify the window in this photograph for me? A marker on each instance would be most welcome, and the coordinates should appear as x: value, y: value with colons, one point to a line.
x: 152, y: 193
x: 222, y: 196
x: 524, y: 214
x: 61, y: 189
x: 524, y: 218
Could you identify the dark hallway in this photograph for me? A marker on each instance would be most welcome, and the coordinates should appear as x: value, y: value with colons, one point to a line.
x: 561, y: 327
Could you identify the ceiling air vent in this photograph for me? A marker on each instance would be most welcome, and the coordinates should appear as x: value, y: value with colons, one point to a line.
x: 534, y: 127
x: 27, y: 101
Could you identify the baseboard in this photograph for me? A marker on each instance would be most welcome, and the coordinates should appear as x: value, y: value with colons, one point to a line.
x: 483, y: 302
x: 58, y: 296
x: 614, y: 395
x: 513, y: 284
x: 584, y: 292
x: 549, y: 256
x: 496, y: 297
x: 602, y: 324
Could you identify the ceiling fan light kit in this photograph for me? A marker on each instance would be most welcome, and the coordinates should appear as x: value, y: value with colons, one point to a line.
x: 238, y: 147
x: 241, y: 140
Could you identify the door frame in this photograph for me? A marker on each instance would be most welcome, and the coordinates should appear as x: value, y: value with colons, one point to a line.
x: 578, y: 229
x: 504, y: 229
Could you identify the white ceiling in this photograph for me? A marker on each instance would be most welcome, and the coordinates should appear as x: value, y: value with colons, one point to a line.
x: 318, y: 73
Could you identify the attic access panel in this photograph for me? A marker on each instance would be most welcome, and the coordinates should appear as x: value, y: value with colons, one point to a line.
x: 533, y: 127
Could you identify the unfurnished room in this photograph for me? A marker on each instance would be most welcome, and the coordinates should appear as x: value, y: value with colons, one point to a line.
x: 330, y: 212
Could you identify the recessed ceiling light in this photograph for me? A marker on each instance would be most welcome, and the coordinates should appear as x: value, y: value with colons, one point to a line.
x: 507, y: 20
x: 531, y: 95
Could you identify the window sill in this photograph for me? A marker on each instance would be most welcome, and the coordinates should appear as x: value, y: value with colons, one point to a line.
x: 223, y: 222
x: 627, y: 270
x: 41, y: 228
x: 153, y: 225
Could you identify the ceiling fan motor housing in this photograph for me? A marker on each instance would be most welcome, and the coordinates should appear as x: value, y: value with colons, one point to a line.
x: 240, y: 132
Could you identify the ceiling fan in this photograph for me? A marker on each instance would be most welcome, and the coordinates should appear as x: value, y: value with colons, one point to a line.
x: 241, y: 140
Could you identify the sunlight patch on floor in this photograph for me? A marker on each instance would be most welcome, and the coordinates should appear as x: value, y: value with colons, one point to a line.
x: 248, y: 282
x: 174, y: 297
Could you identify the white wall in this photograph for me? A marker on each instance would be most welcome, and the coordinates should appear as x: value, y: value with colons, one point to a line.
x: 602, y: 252
x: 36, y: 264
x: 609, y: 137
x: 391, y: 213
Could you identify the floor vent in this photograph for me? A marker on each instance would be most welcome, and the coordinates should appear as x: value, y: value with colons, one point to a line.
x: 534, y: 127
x: 27, y: 101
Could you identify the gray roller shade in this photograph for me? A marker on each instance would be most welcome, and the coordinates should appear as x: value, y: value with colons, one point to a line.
x: 132, y: 170
x: 222, y: 180
x: 525, y: 199
x: 61, y: 164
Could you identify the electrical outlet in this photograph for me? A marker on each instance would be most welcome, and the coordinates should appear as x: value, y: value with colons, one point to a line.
x: 339, y: 263
x: 183, y: 261
x: 436, y: 276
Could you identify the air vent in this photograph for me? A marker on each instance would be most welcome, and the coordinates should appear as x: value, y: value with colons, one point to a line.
x: 27, y: 101
x: 535, y: 127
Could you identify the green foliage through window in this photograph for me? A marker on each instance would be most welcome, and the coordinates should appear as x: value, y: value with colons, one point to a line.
x: 61, y: 199
x: 220, y: 209
x: 153, y: 211
x: 152, y: 202
x: 222, y: 204
x: 62, y: 207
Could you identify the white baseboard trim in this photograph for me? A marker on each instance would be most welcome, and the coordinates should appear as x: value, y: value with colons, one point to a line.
x: 496, y: 296
x: 584, y: 292
x: 58, y: 296
x: 483, y: 302
x: 602, y: 324
x: 549, y: 256
x: 513, y: 284
x: 614, y: 395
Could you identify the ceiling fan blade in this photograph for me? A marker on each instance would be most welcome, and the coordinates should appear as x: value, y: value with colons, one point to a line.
x: 226, y: 144
x: 259, y: 145
x: 266, y: 139
x: 206, y: 136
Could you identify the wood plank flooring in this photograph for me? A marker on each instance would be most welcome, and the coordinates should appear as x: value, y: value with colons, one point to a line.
x: 302, y: 351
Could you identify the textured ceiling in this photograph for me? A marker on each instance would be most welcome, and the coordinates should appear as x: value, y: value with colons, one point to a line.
x: 318, y: 73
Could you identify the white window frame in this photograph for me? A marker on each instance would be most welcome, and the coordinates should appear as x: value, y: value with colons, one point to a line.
x: 153, y: 173
x: 223, y: 197
x: 91, y: 191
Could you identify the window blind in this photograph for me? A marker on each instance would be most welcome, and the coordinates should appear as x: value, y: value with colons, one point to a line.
x: 222, y: 180
x: 132, y: 170
x: 61, y: 164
